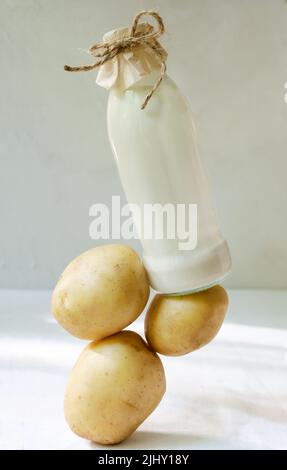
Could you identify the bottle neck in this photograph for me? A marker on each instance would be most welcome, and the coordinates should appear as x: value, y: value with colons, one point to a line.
x: 147, y: 81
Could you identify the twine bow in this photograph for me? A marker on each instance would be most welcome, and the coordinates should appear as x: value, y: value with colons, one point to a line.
x: 106, y: 51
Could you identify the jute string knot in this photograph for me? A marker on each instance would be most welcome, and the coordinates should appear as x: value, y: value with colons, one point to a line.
x: 147, y: 37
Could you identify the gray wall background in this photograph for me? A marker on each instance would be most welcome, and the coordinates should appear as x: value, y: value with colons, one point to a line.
x: 229, y: 57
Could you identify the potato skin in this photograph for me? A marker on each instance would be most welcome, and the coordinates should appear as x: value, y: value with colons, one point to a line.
x: 101, y: 292
x: 116, y: 383
x: 177, y: 325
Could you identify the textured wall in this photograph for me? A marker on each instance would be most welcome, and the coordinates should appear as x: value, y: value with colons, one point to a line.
x: 229, y: 56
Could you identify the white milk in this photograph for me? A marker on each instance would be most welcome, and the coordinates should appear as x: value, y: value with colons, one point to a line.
x: 155, y: 150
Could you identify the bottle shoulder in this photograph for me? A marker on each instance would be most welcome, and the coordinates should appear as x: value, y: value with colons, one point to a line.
x: 168, y: 95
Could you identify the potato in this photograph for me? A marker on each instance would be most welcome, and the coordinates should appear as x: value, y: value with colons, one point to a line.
x: 177, y: 325
x: 101, y: 292
x: 116, y: 383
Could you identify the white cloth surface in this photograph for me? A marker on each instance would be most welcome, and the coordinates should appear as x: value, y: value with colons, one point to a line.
x: 231, y: 394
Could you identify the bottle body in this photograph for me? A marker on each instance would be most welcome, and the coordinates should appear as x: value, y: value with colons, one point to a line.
x: 158, y: 162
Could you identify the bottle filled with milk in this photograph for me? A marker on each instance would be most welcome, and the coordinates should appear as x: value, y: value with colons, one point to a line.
x: 159, y: 165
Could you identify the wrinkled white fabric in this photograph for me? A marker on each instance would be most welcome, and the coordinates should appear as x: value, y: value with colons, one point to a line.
x: 127, y: 68
x: 231, y: 394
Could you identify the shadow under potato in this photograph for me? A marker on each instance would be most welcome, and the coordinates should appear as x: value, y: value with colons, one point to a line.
x: 146, y: 440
